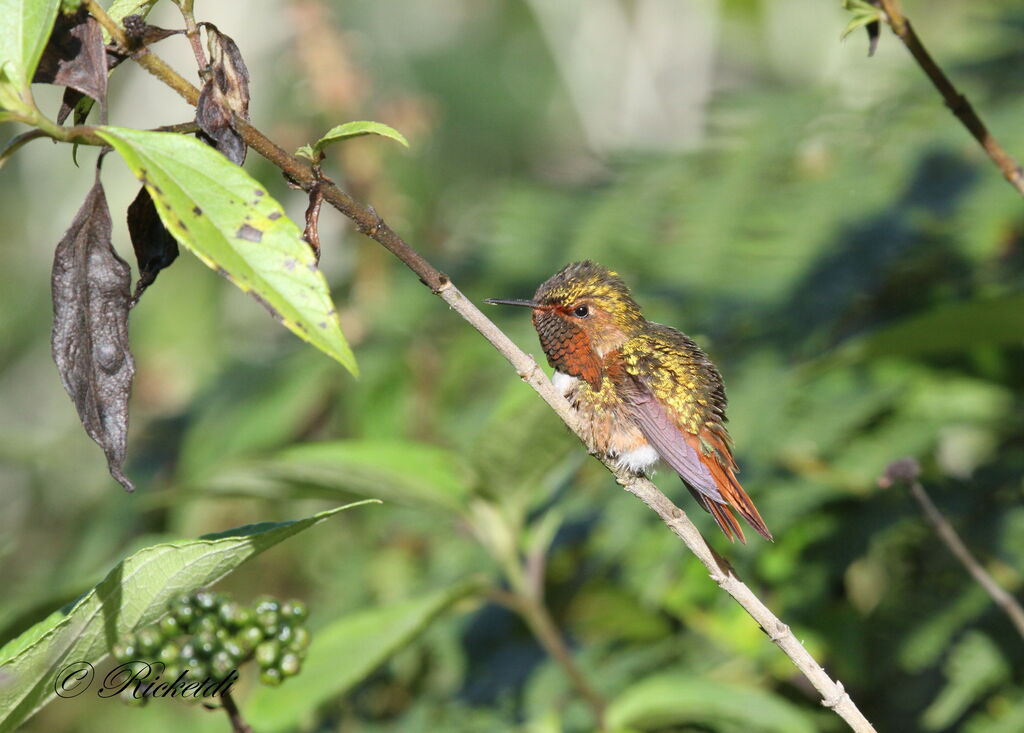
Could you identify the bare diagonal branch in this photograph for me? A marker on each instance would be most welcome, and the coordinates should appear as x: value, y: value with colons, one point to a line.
x: 956, y: 101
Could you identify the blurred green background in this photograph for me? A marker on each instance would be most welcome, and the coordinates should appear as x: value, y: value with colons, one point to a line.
x: 815, y: 219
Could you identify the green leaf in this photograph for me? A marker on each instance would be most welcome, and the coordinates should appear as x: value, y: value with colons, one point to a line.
x: 229, y: 221
x: 974, y: 667
x: 347, y: 130
x: 25, y: 27
x: 673, y: 699
x: 344, y: 653
x: 861, y: 19
x: 402, y: 471
x: 121, y: 9
x: 949, y: 327
x: 133, y: 594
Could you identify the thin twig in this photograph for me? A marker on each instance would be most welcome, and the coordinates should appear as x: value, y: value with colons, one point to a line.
x: 238, y: 724
x: 372, y: 225
x: 907, y: 471
x: 192, y: 32
x: 956, y: 101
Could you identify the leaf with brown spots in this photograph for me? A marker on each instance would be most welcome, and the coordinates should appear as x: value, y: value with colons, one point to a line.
x: 155, y: 247
x: 90, y: 328
x: 218, y: 212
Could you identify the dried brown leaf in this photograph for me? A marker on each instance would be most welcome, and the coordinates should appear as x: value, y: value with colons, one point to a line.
x: 75, y: 56
x: 155, y: 247
x: 225, y: 94
x: 90, y: 328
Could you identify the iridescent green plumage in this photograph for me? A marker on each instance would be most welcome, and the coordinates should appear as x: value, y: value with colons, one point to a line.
x: 643, y: 390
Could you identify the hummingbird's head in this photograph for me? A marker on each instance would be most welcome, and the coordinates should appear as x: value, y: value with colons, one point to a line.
x: 581, y: 313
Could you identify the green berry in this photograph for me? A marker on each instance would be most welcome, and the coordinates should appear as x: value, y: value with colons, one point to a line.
x: 169, y: 653
x: 295, y: 609
x: 125, y: 649
x: 267, y: 653
x: 271, y: 677
x: 285, y: 634
x: 196, y: 668
x: 269, y: 621
x: 169, y: 626
x: 267, y: 603
x: 228, y: 612
x: 300, y: 638
x: 184, y: 614
x: 205, y: 600
x: 206, y: 643
x: 206, y: 624
x: 149, y: 640
x: 234, y: 650
x: 221, y: 665
x: 290, y: 664
x: 252, y: 635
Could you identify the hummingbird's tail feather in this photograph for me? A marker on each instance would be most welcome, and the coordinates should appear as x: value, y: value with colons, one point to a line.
x: 714, y: 452
x: 703, y: 461
x: 722, y: 516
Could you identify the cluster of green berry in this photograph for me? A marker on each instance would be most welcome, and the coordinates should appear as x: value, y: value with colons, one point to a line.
x: 209, y: 635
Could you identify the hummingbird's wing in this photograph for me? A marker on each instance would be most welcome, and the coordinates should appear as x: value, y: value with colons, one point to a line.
x: 678, y: 403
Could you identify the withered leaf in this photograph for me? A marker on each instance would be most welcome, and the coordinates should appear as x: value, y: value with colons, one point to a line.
x: 75, y: 56
x: 90, y: 328
x: 225, y: 93
x: 155, y: 247
x: 874, y: 29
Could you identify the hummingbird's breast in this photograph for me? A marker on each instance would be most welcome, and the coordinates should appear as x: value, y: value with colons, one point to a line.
x: 607, y: 428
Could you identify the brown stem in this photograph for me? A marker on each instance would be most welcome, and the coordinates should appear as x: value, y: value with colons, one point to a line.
x: 952, y: 540
x: 956, y: 101
x: 238, y: 724
x: 192, y: 32
x: 372, y: 225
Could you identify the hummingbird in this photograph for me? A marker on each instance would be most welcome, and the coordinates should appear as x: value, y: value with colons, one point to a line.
x: 643, y: 391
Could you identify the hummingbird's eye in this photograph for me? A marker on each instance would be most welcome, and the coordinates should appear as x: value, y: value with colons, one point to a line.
x: 582, y: 311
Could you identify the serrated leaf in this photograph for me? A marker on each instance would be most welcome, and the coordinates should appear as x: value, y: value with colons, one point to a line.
x: 132, y: 595
x: 363, y: 640
x: 229, y: 221
x: 25, y: 27
x: 350, y: 130
x: 672, y: 699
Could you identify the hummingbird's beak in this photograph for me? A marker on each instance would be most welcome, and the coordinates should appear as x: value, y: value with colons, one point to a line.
x: 523, y: 303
